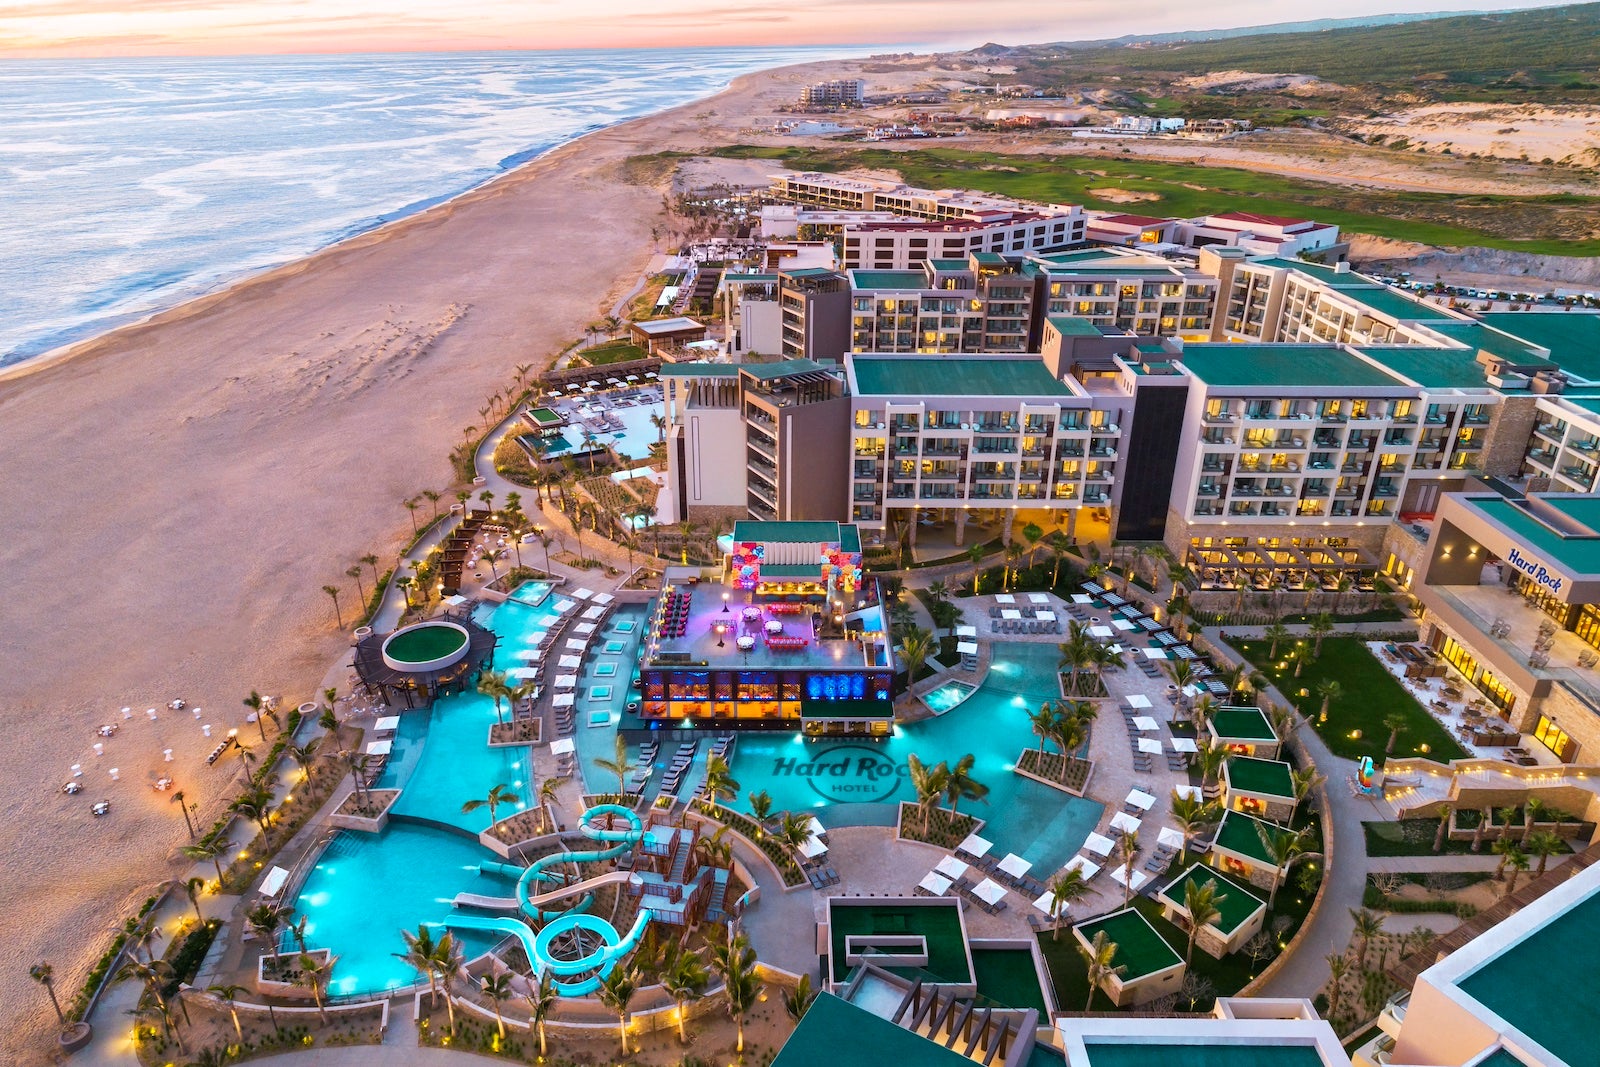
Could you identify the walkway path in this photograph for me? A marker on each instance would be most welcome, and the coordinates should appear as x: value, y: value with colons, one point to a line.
x: 1432, y: 864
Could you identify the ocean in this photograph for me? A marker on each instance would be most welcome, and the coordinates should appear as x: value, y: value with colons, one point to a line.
x: 131, y: 185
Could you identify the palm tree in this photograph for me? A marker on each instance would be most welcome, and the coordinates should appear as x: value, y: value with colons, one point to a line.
x: 1068, y: 888
x: 1444, y: 828
x: 616, y: 992
x: 304, y: 755
x: 1397, y: 724
x: 354, y: 572
x: 1202, y: 902
x: 1286, y: 848
x: 720, y: 783
x: 498, y: 989
x: 929, y: 783
x: 356, y: 763
x: 228, y: 994
x: 1191, y: 814
x: 1502, y: 847
x: 500, y: 794
x: 182, y: 801
x: 1303, y: 780
x: 411, y: 507
x: 1368, y: 925
x: 1329, y: 689
x: 314, y: 974
x: 959, y: 784
x: 1209, y: 758
x: 1542, y: 844
x: 684, y: 980
x: 1508, y: 819
x: 1045, y: 722
x: 194, y: 889
x: 798, y: 1002
x: 1128, y: 843
x: 266, y: 920
x: 333, y: 591
x: 1097, y: 958
x: 660, y: 423
x: 1059, y: 545
x: 1518, y: 863
x: 44, y: 974
x: 1338, y: 967
x: 447, y: 959
x: 793, y: 829
x: 975, y: 555
x: 433, y: 496
x: 761, y: 807
x: 493, y: 556
x: 547, y: 798
x: 155, y: 976
x: 735, y: 961
x: 487, y: 496
x: 618, y: 765
x: 1301, y: 655
x: 212, y: 850
x: 256, y: 805
x: 1274, y: 633
x: 915, y: 648
x: 541, y: 998
x: 494, y: 684
x: 1321, y: 626
x: 1532, y: 808
x: 1180, y: 671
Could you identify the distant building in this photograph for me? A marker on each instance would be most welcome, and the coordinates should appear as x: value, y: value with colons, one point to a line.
x: 671, y: 332
x: 1146, y: 124
x: 1264, y: 235
x: 844, y: 92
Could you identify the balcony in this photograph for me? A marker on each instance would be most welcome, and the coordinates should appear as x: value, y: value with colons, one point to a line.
x: 1209, y: 489
x: 1218, y: 418
x: 1476, y: 418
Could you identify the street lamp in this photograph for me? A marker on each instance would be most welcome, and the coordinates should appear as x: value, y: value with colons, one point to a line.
x: 721, y: 629
x: 724, y: 603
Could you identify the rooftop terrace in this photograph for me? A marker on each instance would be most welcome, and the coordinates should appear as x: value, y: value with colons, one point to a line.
x: 778, y: 638
x: 1263, y: 777
x: 1283, y: 366
x: 1573, y: 337
x: 1235, y: 903
x: 988, y: 376
x: 1139, y: 947
x: 1245, y: 724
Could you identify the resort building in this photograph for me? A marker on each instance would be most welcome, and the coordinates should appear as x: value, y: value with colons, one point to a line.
x: 814, y: 314
x: 1494, y: 1001
x: 654, y: 334
x: 841, y: 92
x: 752, y: 322
x: 981, y: 302
x: 789, y: 634
x: 837, y: 192
x: 1264, y: 235
x: 1130, y: 231
x: 1254, y: 1031
x: 1240, y: 912
x: 962, y: 433
x: 1129, y: 291
x: 764, y: 440
x: 1150, y: 967
x: 1241, y: 848
x: 1261, y: 787
x: 1243, y: 731
x: 1511, y: 591
x: 905, y: 244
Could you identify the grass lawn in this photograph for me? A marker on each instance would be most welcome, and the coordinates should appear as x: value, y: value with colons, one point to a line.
x: 1370, y: 695
x: 1535, y: 224
x: 618, y: 351
x: 1409, y: 837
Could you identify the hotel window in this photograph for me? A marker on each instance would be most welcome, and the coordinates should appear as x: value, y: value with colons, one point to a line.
x: 1552, y: 736
x: 1588, y: 627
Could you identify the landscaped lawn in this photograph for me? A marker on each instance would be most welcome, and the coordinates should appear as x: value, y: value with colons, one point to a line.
x: 618, y: 351
x: 1370, y: 695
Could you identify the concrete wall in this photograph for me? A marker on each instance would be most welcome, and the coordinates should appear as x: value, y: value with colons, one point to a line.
x: 814, y: 461
x: 1506, y: 441
x: 758, y: 326
x: 713, y: 460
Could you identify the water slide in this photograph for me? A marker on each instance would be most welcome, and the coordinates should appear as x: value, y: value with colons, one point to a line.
x: 613, y: 945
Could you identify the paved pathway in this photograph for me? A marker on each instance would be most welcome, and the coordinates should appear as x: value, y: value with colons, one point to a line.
x: 1485, y: 861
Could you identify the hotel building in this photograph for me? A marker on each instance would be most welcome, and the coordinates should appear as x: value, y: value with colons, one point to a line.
x: 905, y: 244
x: 1127, y: 291
x: 980, y: 303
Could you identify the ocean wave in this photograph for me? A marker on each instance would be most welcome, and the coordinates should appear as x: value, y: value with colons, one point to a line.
x: 147, y: 182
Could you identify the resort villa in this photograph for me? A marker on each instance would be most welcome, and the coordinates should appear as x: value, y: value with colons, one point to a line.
x: 1263, y: 787
x: 1243, y: 731
x: 1144, y: 965
x: 1240, y: 913
x: 1243, y: 848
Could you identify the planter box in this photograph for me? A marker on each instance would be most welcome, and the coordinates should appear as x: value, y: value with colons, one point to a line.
x: 515, y: 734
x: 1051, y: 782
x: 280, y: 983
x: 348, y: 819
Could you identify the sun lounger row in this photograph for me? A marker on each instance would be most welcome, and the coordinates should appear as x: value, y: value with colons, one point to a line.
x: 822, y: 877
x: 1025, y: 626
x: 646, y: 765
x: 681, y: 761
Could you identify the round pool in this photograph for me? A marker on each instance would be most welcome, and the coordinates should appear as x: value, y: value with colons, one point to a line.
x: 426, y: 646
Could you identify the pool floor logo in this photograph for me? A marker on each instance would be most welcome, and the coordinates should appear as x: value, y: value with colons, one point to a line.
x: 844, y: 774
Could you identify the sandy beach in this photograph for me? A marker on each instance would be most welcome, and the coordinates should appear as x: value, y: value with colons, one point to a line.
x: 178, y: 492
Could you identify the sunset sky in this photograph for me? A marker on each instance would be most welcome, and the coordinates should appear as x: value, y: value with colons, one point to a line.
x: 169, y: 27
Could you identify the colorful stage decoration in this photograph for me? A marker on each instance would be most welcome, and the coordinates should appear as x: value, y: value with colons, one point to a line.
x: 843, y: 568
x: 747, y: 557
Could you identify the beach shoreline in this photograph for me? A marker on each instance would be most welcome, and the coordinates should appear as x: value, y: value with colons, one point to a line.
x: 180, y: 488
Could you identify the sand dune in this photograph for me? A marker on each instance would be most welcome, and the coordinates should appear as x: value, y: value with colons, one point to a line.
x: 178, y: 492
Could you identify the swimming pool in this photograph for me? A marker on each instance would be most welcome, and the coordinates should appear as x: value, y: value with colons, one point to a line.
x: 532, y: 592
x: 860, y: 782
x: 942, y: 698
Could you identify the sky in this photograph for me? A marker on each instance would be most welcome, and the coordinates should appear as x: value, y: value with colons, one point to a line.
x: 218, y: 27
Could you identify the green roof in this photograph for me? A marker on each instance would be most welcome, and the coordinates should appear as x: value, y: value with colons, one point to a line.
x: 1139, y: 947
x: 1386, y: 301
x: 1509, y: 984
x: 698, y: 370
x: 1501, y: 1057
x: 1430, y: 367
x: 809, y: 272
x: 544, y: 416
x: 781, y: 532
x: 1073, y: 326
x: 1213, y: 1052
x: 987, y: 376
x: 989, y: 259
x: 820, y: 1037
x: 1478, y: 336
x: 1293, y: 366
x: 950, y: 264
x: 791, y: 570
x: 1572, y: 337
x: 1264, y: 777
x: 1576, y: 555
x: 1587, y: 403
x: 938, y: 923
x: 741, y: 279
x: 1238, y: 834
x: 1244, y: 724
x: 889, y: 279
x: 1314, y: 270
x: 1240, y: 904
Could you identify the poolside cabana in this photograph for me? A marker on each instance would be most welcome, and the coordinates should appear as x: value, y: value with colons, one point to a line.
x: 1151, y: 967
x: 1240, y: 912
x: 1259, y: 787
x: 1239, y: 850
x: 1244, y: 731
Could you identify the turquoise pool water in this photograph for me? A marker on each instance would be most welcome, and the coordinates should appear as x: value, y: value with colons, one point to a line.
x: 942, y: 698
x: 532, y: 593
x: 858, y: 782
x: 368, y: 887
